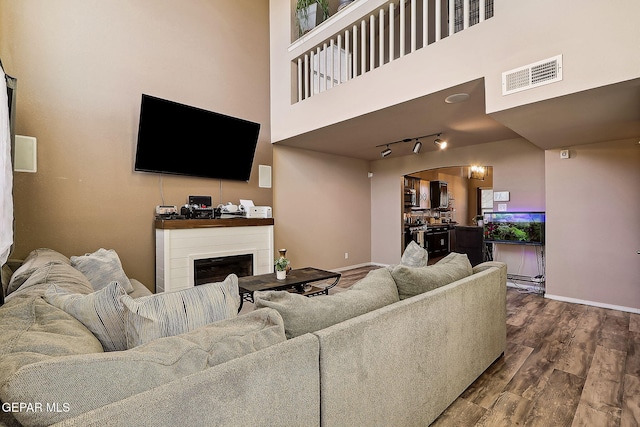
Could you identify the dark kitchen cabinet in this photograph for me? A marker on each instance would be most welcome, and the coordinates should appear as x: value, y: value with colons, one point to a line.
x: 438, y: 195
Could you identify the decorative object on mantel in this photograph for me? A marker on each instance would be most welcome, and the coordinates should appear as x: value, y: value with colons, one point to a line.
x: 282, y: 265
x: 311, y: 13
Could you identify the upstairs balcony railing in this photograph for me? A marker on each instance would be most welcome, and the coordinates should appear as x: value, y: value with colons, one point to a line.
x: 373, y: 38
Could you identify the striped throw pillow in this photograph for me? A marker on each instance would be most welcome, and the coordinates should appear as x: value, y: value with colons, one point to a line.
x: 101, y: 312
x: 173, y: 313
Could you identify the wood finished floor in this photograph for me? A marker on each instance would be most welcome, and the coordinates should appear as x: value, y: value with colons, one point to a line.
x: 565, y: 365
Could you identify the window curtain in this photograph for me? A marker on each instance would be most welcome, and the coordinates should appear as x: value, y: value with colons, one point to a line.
x: 6, y: 174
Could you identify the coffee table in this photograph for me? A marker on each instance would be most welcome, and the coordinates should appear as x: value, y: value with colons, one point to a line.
x: 298, y: 280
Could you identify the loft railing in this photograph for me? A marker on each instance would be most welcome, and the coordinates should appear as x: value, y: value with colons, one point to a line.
x: 375, y: 38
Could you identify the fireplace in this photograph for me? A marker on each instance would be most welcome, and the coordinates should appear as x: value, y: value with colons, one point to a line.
x: 209, y: 270
x: 181, y: 244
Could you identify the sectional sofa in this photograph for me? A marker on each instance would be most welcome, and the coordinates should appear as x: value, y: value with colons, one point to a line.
x: 396, y: 349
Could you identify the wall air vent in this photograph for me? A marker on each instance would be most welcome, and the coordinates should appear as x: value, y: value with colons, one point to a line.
x: 532, y: 75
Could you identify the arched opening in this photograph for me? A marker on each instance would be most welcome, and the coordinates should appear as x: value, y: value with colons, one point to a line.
x: 436, y: 201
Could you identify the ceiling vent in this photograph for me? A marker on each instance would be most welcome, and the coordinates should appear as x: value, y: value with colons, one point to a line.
x: 532, y: 75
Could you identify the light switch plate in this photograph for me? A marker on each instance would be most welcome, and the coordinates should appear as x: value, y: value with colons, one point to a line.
x: 500, y: 196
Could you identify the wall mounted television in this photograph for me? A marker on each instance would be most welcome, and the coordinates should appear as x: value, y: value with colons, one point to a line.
x: 179, y: 139
x: 523, y: 228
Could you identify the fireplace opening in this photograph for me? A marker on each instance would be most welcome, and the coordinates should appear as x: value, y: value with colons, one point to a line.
x: 208, y: 270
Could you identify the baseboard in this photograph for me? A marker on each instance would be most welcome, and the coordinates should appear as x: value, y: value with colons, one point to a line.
x: 593, y: 303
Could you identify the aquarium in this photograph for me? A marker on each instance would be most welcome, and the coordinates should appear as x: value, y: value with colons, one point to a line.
x: 524, y: 228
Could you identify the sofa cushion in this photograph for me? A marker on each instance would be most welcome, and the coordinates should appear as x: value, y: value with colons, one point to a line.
x: 92, y: 381
x: 414, y: 255
x: 302, y: 314
x: 101, y: 312
x: 63, y: 275
x: 101, y: 268
x: 36, y: 259
x: 172, y: 313
x: 33, y: 330
x: 412, y: 281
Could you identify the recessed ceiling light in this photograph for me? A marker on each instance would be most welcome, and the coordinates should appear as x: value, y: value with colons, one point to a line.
x: 456, y: 97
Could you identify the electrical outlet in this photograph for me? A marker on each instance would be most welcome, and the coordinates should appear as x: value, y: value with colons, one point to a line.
x: 346, y: 255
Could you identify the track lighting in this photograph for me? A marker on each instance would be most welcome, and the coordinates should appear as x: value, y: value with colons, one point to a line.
x: 440, y: 143
x: 417, y: 147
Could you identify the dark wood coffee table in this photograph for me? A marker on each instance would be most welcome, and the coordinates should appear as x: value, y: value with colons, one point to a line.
x: 298, y: 280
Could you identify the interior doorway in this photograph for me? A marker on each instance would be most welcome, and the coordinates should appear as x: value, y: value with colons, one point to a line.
x: 436, y: 201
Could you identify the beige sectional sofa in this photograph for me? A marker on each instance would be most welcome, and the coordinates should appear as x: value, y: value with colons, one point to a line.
x: 352, y: 359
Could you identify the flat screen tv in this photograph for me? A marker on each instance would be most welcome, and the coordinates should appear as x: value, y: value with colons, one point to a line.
x: 524, y: 228
x: 179, y: 139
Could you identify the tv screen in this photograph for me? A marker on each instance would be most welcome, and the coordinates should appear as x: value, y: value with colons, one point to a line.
x: 179, y: 139
x: 525, y: 228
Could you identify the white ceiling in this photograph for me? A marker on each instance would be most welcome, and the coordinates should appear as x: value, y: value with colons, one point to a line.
x: 602, y: 114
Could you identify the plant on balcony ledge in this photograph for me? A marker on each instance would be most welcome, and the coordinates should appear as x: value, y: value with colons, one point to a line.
x: 308, y: 16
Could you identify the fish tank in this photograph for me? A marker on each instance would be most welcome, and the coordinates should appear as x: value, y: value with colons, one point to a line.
x: 522, y: 228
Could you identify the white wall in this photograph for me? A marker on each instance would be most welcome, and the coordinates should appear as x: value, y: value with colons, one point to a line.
x: 322, y: 208
x: 593, y: 228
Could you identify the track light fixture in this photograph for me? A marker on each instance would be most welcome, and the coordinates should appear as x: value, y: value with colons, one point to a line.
x: 417, y: 146
x: 440, y: 143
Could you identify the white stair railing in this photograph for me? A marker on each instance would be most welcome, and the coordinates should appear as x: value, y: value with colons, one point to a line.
x: 381, y: 36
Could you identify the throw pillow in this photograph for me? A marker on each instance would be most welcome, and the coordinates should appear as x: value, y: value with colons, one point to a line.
x: 101, y: 312
x: 36, y: 259
x: 302, y: 314
x: 415, y: 256
x: 173, y: 313
x: 412, y: 281
x: 101, y: 268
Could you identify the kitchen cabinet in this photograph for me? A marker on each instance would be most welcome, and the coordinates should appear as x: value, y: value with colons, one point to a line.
x: 438, y: 195
x: 412, y: 191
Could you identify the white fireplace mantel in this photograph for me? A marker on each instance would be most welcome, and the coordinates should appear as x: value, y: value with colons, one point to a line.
x: 180, y: 242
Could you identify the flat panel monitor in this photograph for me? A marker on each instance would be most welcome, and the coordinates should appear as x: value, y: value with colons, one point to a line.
x: 179, y: 139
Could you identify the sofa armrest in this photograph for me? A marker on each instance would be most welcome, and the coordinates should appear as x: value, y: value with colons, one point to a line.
x: 493, y: 264
x: 278, y: 385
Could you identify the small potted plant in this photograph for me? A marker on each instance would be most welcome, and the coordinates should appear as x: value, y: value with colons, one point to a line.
x: 310, y: 13
x: 281, y: 265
